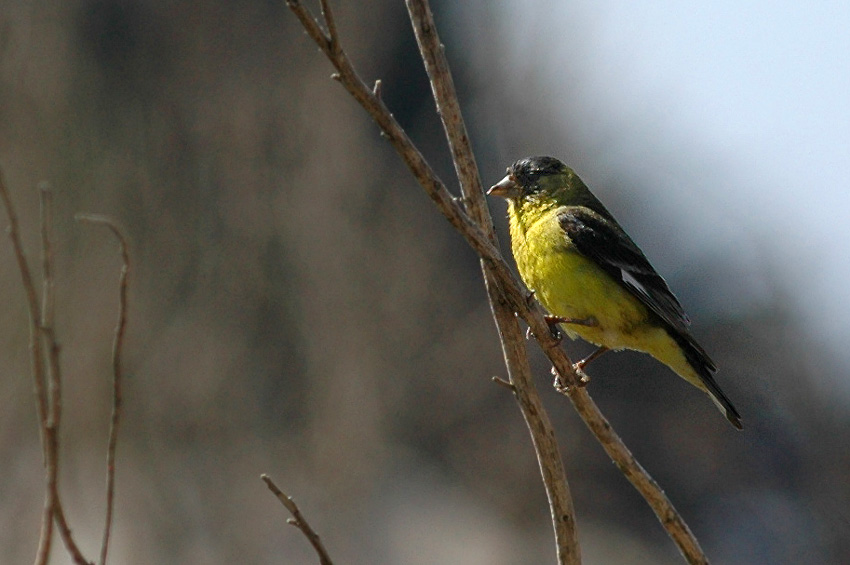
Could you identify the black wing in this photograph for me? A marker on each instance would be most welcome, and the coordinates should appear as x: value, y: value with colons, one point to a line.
x: 604, y: 242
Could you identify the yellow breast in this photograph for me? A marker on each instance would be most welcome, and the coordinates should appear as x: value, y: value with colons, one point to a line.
x: 569, y: 284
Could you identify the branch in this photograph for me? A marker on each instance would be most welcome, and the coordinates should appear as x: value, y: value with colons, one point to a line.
x: 36, y: 361
x: 299, y: 521
x: 47, y: 383
x: 509, y: 290
x: 117, y: 373
x: 510, y: 334
x: 54, y: 377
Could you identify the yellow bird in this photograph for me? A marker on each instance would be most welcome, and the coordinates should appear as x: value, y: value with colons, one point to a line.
x: 586, y: 271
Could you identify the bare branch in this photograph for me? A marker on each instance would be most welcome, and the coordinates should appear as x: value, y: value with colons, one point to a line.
x: 509, y: 289
x: 117, y: 373
x: 299, y: 521
x: 32, y: 305
x: 327, y: 14
x: 37, y: 362
x: 503, y: 383
x: 448, y: 107
x: 640, y: 478
x: 54, y: 376
x: 511, y: 336
x: 47, y: 382
x: 48, y: 301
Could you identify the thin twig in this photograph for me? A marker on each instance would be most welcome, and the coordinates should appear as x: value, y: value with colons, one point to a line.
x: 32, y: 299
x: 511, y: 336
x: 36, y: 360
x: 46, y: 339
x: 568, y: 382
x: 448, y: 108
x: 48, y: 335
x: 503, y: 383
x: 54, y: 376
x: 48, y: 302
x: 328, y: 15
x: 48, y: 342
x: 639, y: 477
x: 117, y: 373
x: 48, y: 395
x: 299, y: 521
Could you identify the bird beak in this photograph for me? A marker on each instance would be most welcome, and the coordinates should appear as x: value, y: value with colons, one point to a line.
x: 506, y: 188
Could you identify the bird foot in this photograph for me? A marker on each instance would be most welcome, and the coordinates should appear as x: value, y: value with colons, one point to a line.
x: 579, y: 366
x: 584, y: 379
x: 561, y: 384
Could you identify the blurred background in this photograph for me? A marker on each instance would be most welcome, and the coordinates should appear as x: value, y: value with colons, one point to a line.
x: 299, y: 308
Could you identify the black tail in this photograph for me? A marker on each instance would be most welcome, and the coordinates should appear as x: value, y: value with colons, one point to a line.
x: 705, y: 367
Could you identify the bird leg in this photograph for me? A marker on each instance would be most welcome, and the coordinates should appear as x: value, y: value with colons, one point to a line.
x: 553, y: 322
x: 579, y: 365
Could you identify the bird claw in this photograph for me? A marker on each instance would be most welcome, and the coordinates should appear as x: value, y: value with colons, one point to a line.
x: 578, y: 368
x: 583, y: 378
x: 561, y: 384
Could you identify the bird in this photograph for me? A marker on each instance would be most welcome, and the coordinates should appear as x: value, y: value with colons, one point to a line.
x: 596, y: 283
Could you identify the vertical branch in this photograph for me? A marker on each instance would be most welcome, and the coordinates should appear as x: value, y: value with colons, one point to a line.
x: 32, y: 297
x: 50, y: 348
x: 328, y: 15
x: 510, y: 333
x: 47, y: 383
x: 47, y: 296
x: 117, y: 373
x: 448, y: 107
x: 36, y: 361
x: 540, y: 427
x: 45, y: 337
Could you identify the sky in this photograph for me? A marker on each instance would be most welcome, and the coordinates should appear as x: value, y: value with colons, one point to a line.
x: 754, y: 94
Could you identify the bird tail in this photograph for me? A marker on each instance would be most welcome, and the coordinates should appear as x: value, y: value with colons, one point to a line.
x: 704, y: 368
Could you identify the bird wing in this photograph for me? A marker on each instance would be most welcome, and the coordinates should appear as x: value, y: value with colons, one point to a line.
x: 606, y: 244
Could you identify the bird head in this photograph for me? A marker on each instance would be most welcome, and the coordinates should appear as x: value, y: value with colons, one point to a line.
x: 533, y: 176
x: 542, y: 183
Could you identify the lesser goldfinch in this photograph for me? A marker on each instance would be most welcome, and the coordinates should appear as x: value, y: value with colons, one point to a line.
x: 586, y: 271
